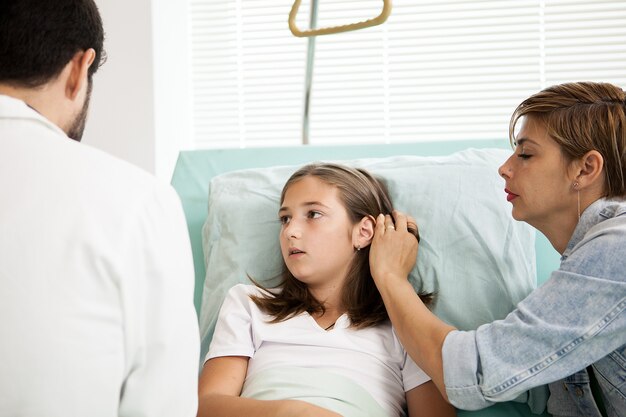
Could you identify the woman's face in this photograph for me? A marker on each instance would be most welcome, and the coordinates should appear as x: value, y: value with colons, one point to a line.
x: 316, y: 233
x: 537, y: 180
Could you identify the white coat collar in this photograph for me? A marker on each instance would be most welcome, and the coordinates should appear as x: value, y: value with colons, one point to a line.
x: 13, y: 108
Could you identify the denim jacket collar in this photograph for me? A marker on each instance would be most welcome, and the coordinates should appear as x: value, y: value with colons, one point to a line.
x: 599, y: 210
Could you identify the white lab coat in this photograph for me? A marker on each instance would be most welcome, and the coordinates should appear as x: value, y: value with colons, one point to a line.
x: 96, y: 281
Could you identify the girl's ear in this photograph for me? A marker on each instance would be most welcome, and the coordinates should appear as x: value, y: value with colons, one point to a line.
x: 363, y: 232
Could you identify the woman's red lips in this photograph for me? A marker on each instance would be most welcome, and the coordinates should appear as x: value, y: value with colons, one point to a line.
x: 509, y: 195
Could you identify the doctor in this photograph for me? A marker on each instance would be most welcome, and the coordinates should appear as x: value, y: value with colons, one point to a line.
x: 96, y: 276
x: 567, y: 179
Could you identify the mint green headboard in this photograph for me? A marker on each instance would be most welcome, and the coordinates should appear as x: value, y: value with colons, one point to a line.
x: 195, y: 169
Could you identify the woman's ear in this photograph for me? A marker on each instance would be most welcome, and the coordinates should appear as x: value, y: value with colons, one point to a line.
x: 363, y: 232
x: 589, y: 171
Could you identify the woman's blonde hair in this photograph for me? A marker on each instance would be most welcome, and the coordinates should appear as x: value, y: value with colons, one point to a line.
x: 581, y: 117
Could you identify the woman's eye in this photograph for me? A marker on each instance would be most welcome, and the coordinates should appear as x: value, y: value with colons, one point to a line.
x: 522, y: 153
x: 314, y: 214
x: 284, y: 219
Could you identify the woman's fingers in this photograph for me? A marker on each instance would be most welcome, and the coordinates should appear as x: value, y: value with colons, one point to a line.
x: 400, y: 220
x: 411, y: 226
x: 393, y: 251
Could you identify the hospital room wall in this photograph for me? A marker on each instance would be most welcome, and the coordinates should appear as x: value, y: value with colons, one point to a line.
x: 140, y: 106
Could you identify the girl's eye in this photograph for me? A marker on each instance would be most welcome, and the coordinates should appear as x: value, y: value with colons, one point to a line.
x: 314, y: 214
x: 284, y: 219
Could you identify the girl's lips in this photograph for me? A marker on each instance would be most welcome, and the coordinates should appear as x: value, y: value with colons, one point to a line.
x: 509, y: 195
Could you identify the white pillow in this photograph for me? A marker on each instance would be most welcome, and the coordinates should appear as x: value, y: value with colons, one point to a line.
x: 473, y: 255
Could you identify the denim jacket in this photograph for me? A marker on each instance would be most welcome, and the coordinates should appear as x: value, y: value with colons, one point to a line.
x: 576, y: 319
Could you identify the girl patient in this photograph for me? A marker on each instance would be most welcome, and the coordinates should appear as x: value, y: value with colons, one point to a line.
x: 320, y: 344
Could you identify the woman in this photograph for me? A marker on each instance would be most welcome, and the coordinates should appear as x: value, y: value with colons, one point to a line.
x: 321, y: 343
x: 566, y: 178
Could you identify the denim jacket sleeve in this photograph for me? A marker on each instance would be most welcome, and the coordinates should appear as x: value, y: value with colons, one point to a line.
x: 576, y: 318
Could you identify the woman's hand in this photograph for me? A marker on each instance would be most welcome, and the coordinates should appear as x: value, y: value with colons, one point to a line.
x: 394, y: 248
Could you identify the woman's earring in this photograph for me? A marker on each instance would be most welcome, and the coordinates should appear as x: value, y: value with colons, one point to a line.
x: 357, y: 247
x: 575, y: 185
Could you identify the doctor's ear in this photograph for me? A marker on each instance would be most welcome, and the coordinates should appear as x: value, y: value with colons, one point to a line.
x: 77, y: 72
x: 363, y: 232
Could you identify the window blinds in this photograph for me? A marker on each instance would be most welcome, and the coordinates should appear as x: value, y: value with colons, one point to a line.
x: 436, y: 70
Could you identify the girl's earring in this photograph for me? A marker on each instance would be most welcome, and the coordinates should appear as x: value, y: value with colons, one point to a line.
x: 357, y: 247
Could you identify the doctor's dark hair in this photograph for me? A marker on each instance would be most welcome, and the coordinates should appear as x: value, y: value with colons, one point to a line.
x: 581, y: 117
x: 39, y: 37
x: 362, y: 195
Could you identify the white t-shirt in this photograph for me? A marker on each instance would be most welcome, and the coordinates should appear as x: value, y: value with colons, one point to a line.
x: 96, y: 281
x: 372, y: 357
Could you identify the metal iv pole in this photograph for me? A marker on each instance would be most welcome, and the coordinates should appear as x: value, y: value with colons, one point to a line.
x: 310, y: 56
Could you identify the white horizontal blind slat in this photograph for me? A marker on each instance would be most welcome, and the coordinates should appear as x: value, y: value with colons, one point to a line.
x: 436, y: 70
x: 586, y: 42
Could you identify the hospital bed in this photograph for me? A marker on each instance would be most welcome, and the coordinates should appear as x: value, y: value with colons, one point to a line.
x: 209, y: 183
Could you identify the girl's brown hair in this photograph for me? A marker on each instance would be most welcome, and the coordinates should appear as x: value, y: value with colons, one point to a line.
x: 581, y: 117
x: 362, y: 195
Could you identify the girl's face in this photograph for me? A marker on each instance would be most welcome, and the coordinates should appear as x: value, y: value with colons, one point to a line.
x: 316, y: 233
x: 538, y: 183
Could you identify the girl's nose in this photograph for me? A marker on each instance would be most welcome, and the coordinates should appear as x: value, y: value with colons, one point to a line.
x: 292, y: 230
